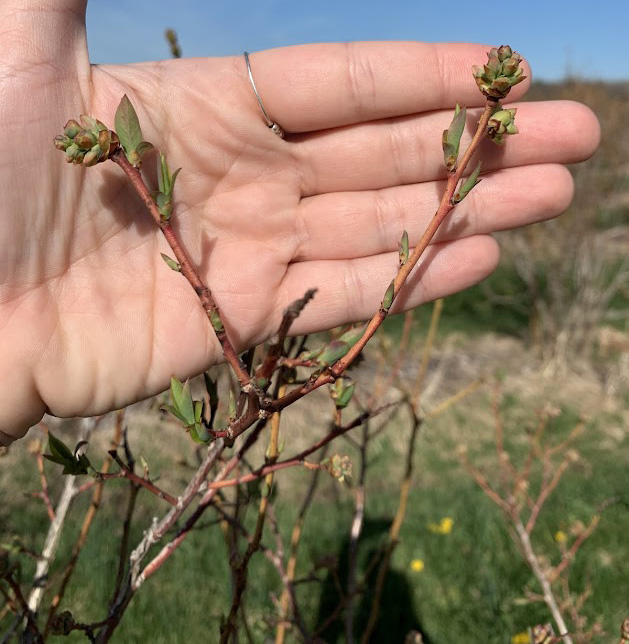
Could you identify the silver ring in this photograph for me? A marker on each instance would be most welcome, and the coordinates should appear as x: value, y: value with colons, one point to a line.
x: 275, y: 127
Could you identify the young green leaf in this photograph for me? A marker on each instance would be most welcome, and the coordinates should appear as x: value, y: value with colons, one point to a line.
x: 403, y: 249
x: 60, y: 454
x: 58, y: 448
x: 182, y: 400
x: 387, y: 301
x: 171, y: 263
x: 128, y: 129
x: 175, y: 412
x: 144, y: 147
x: 468, y: 184
x: 342, y: 393
x: 451, y: 139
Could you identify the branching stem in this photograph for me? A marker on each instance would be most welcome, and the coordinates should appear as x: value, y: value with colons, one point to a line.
x: 187, y: 269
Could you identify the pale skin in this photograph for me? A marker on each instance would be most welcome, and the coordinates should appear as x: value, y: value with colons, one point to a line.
x: 92, y: 319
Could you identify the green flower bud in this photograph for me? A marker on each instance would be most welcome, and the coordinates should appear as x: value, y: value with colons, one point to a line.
x: 502, y: 122
x: 104, y: 140
x: 62, y: 142
x: 71, y: 151
x: 72, y: 128
x: 504, y: 52
x: 85, y: 139
x: 500, y: 74
x: 91, y: 158
x: 87, y: 144
x: 511, y: 65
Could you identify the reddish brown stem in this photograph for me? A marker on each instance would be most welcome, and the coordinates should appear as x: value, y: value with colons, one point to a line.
x: 140, y: 482
x: 187, y: 269
x: 44, y: 494
x: 446, y: 205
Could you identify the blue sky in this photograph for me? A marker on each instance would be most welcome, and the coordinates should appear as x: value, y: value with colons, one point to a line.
x: 585, y: 37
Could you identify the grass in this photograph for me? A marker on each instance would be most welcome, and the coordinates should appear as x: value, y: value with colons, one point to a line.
x: 473, y: 580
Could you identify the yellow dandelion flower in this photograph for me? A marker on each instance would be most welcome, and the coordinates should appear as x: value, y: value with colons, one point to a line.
x: 560, y: 536
x: 417, y: 565
x: 443, y: 527
x: 521, y: 638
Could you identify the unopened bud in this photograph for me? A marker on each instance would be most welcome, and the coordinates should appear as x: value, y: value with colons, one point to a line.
x: 91, y: 158
x: 104, y: 140
x: 500, y: 74
x: 502, y: 122
x: 504, y: 52
x: 511, y: 65
x: 85, y: 139
x: 72, y: 128
x: 71, y: 151
x: 62, y: 142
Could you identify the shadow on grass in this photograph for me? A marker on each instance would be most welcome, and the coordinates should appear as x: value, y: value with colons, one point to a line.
x: 397, y: 614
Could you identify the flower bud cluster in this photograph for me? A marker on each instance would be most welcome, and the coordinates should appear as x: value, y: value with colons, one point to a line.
x: 500, y: 74
x: 86, y: 143
x: 501, y: 123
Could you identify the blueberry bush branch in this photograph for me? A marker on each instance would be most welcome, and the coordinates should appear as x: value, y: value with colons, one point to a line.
x: 91, y: 142
x: 265, y: 378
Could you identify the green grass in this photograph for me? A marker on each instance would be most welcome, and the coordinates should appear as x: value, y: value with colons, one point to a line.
x: 473, y: 580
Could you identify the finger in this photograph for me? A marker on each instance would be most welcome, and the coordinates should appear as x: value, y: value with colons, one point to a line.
x: 320, y: 86
x: 361, y: 224
x: 408, y: 149
x: 351, y: 290
x: 40, y: 31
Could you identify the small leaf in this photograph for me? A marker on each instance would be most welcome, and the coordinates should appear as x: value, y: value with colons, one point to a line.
x: 403, y: 249
x: 144, y: 147
x: 198, y: 411
x: 173, y: 178
x: 468, y: 184
x: 387, y: 301
x: 193, y: 430
x: 175, y: 412
x: 171, y: 263
x: 353, y: 335
x: 452, y: 138
x: 338, y: 348
x: 127, y: 127
x: 182, y: 399
x: 342, y: 393
x: 58, y: 448
x: 145, y: 466
x: 332, y: 352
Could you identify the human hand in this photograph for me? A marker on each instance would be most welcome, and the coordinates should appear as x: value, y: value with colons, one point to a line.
x: 91, y: 319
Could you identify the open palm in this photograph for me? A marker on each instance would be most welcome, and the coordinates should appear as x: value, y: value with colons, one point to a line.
x: 92, y: 319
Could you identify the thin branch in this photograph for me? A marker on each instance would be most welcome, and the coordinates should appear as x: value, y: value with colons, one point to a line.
x: 288, y: 593
x: 97, y: 495
x: 187, y: 269
x: 28, y: 613
x: 138, y: 481
x: 241, y: 569
x: 533, y: 562
x: 51, y: 543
